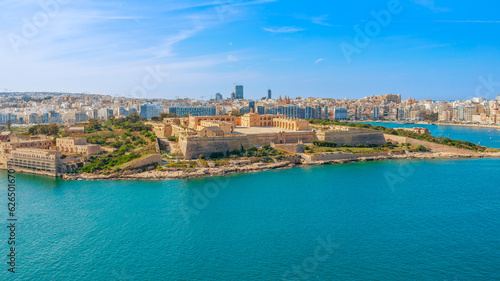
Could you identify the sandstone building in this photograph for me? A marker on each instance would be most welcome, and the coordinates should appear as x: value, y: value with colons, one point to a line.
x: 38, y: 161
x: 226, y: 127
x: 291, y: 124
x: 256, y: 120
x: 77, y: 146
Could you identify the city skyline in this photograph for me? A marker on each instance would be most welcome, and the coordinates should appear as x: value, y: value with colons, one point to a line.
x: 151, y: 49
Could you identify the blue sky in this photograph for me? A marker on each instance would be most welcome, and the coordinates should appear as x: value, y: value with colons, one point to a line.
x: 436, y: 49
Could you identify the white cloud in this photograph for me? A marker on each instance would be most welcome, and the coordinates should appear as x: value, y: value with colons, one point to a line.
x: 232, y: 58
x: 285, y: 29
x: 102, y: 47
x: 431, y: 5
x: 319, y: 60
x: 468, y: 21
x: 321, y: 20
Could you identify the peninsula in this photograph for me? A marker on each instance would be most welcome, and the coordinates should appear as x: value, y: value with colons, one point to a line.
x: 170, y: 147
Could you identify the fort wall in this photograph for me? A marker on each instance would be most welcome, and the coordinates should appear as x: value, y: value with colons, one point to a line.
x: 429, y: 145
x: 151, y: 159
x: 352, y: 137
x: 193, y: 147
x: 292, y: 148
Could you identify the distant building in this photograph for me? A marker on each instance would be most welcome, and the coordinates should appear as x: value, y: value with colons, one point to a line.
x: 308, y: 112
x: 81, y: 117
x: 339, y: 114
x: 34, y: 118
x: 317, y: 112
x: 75, y: 130
x: 77, y: 146
x: 149, y: 110
x: 244, y: 110
x: 261, y: 110
x: 4, y: 118
x: 55, y: 117
x: 376, y: 113
x: 273, y: 111
x: 417, y: 130
x: 218, y: 97
x: 269, y: 95
x: 211, y: 132
x: 239, y: 92
x: 256, y: 120
x: 5, y: 136
x: 123, y: 112
x: 182, y: 111
x: 468, y: 113
x: 251, y: 106
x: 105, y: 113
x: 392, y: 98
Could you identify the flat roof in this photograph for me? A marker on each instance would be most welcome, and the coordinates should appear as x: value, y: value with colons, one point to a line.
x: 262, y: 130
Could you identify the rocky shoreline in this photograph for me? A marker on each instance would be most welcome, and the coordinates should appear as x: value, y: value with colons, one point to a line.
x: 258, y: 167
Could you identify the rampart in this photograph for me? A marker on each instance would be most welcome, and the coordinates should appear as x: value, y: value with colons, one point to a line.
x: 429, y: 145
x: 289, y: 147
x: 352, y: 137
x: 192, y: 147
x: 281, y: 138
x: 149, y: 160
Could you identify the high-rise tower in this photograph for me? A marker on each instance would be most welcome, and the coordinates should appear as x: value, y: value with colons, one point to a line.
x: 239, y: 92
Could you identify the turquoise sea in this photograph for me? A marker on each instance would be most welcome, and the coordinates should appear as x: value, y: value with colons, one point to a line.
x: 483, y: 136
x: 391, y: 220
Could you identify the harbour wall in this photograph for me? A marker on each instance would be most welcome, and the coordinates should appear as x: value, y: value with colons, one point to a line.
x: 344, y: 156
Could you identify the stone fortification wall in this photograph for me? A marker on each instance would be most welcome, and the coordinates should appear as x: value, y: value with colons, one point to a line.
x: 352, y: 137
x: 292, y: 148
x: 429, y: 145
x: 193, y: 147
x: 146, y: 161
x: 282, y: 138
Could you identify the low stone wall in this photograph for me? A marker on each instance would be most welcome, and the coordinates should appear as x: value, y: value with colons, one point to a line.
x: 292, y: 148
x: 146, y: 161
x: 108, y: 149
x: 343, y: 156
x: 429, y: 145
x: 36, y: 172
x: 157, y: 145
x: 295, y: 159
x: 352, y: 137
